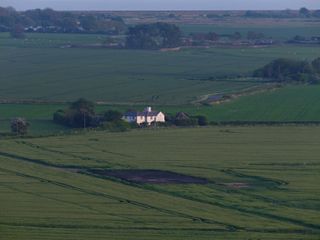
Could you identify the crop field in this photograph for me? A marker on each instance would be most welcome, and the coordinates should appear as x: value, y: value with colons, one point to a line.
x: 49, y: 40
x: 291, y: 103
x: 159, y: 183
x: 28, y: 71
x: 261, y: 183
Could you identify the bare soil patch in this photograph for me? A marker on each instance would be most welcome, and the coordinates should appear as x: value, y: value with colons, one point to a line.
x: 150, y: 176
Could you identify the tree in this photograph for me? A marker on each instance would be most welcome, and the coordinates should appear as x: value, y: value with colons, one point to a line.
x: 212, y: 36
x: 69, y: 24
x: 117, y: 126
x: 112, y: 115
x: 183, y: 119
x: 316, y: 14
x: 299, y: 38
x: 17, y: 32
x: 8, y: 18
x: 316, y: 65
x: 60, y: 117
x: 81, y: 113
x: 202, y: 120
x: 283, y: 70
x: 251, y: 35
x: 83, y: 104
x: 304, y: 12
x: 153, y: 36
x: 19, y: 126
x: 89, y: 23
x: 236, y: 36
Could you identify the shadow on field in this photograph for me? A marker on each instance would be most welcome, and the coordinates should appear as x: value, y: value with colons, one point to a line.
x: 150, y: 176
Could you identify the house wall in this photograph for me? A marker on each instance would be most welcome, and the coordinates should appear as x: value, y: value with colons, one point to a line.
x: 141, y: 119
x: 161, y: 117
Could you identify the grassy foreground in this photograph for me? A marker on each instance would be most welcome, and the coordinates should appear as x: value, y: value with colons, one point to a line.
x: 43, y: 197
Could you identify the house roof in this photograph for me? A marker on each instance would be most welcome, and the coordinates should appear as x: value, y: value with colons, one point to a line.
x: 182, y: 116
x: 148, y: 114
x: 142, y: 114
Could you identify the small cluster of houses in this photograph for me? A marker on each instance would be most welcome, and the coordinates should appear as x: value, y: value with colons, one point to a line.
x: 148, y: 117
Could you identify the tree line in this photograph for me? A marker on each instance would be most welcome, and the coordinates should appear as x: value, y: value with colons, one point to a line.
x: 302, y: 13
x: 289, y: 70
x: 48, y: 20
x: 153, y: 36
x: 82, y: 114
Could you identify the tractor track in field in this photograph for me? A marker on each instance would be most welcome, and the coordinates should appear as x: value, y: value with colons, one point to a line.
x: 34, y: 146
x: 49, y: 198
x: 38, y: 161
x: 218, y: 204
x: 167, y: 211
x: 45, y: 149
x: 233, y: 227
x: 250, y: 194
x: 167, y: 229
x: 230, y: 227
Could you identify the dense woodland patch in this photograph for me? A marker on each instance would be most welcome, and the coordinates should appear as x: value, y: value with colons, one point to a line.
x: 289, y: 70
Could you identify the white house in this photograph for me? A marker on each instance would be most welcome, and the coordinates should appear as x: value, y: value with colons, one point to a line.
x: 148, y: 116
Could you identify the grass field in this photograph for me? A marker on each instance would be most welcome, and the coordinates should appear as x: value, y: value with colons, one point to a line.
x: 257, y: 182
x: 291, y: 103
x: 43, y: 197
x: 40, y: 71
x: 288, y: 104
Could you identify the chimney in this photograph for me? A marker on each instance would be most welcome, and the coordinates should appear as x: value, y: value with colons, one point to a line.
x: 148, y: 109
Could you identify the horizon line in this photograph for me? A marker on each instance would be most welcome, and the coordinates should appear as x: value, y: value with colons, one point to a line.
x: 158, y: 10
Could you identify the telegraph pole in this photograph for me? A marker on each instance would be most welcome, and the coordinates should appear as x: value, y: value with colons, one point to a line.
x: 84, y: 119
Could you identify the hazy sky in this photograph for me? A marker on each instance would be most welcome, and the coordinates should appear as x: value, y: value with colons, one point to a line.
x: 161, y: 4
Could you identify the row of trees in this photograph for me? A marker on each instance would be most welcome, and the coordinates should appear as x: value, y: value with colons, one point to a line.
x: 284, y: 70
x: 302, y: 13
x: 153, y: 36
x: 164, y: 35
x: 82, y: 114
x: 212, y: 36
x: 48, y: 20
x: 184, y: 119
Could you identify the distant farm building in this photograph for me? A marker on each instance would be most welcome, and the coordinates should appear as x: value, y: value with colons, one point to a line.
x: 148, y: 116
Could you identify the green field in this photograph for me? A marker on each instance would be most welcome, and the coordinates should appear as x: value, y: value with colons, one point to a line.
x: 43, y: 197
x: 262, y: 182
x: 298, y: 103
x: 291, y: 103
x: 40, y: 71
